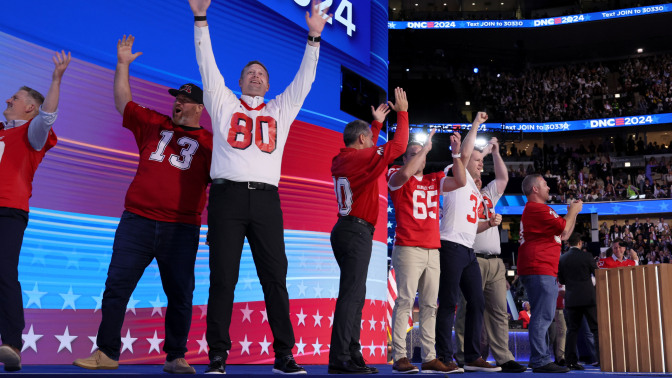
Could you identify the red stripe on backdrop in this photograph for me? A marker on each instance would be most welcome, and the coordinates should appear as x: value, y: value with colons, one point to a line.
x: 46, y: 340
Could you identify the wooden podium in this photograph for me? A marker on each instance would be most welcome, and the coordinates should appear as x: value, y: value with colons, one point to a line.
x: 634, y: 312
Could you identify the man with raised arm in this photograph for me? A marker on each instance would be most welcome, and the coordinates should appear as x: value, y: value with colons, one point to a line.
x: 249, y: 140
x: 487, y: 248
x: 541, y: 233
x: 25, y: 137
x: 162, y: 216
x: 459, y: 267
x: 415, y: 256
x: 355, y: 171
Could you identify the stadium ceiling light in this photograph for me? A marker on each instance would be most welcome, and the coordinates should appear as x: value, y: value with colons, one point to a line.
x: 416, y: 4
x: 627, y: 164
x: 640, y: 50
x: 467, y: 103
x: 617, y: 95
x: 408, y: 69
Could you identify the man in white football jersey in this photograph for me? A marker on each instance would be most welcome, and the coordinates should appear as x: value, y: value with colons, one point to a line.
x: 459, y: 268
x: 248, y: 143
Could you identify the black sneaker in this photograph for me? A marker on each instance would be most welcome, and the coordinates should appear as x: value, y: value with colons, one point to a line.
x: 359, y: 361
x: 550, y: 368
x: 217, y: 365
x: 287, y: 365
x: 512, y: 367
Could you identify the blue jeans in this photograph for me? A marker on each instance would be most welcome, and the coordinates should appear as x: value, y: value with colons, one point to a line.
x: 542, y: 291
x: 137, y: 242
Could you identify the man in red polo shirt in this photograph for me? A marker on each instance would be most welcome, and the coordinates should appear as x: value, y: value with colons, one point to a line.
x: 541, y: 233
x: 617, y: 258
x: 25, y: 137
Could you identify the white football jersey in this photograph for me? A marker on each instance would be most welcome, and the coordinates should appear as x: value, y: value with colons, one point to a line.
x: 461, y: 213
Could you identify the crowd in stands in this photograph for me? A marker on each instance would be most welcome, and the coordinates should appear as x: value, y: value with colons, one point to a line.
x: 577, y: 91
x: 586, y: 172
x: 652, y: 241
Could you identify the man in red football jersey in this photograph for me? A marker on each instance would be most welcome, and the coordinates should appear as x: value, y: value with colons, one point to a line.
x: 162, y: 218
x: 25, y: 137
x: 415, y: 256
x: 355, y: 171
x: 617, y: 258
x: 541, y: 233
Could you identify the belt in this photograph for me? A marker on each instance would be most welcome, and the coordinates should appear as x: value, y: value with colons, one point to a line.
x: 250, y: 184
x: 486, y: 256
x: 350, y: 218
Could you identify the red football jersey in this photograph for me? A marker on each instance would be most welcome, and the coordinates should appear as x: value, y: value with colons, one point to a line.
x: 355, y: 173
x: 416, y: 208
x: 540, y: 230
x: 611, y: 262
x: 174, y: 167
x: 18, y: 163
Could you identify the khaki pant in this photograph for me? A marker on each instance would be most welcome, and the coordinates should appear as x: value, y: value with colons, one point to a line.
x: 495, y: 317
x: 416, y: 270
x: 560, y: 328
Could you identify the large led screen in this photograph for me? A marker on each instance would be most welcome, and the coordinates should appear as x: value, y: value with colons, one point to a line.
x: 80, y: 186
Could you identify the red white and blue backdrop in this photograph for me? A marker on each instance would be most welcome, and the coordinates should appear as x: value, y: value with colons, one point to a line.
x: 79, y: 188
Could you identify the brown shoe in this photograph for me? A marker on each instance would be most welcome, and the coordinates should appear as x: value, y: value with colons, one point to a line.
x: 481, y: 365
x: 404, y: 366
x: 98, y: 360
x: 435, y: 366
x: 11, y: 357
x: 178, y: 366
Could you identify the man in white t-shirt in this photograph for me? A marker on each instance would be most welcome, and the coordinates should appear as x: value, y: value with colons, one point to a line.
x: 459, y: 268
x: 487, y: 249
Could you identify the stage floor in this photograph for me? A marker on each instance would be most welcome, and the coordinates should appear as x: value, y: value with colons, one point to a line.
x: 258, y: 371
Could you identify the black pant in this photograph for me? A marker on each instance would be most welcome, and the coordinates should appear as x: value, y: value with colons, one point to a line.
x: 13, y: 223
x: 573, y: 318
x: 235, y: 212
x: 459, y: 271
x: 137, y: 242
x: 352, y: 243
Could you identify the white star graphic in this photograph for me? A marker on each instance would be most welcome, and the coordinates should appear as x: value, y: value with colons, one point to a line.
x: 38, y: 258
x: 154, y: 343
x: 382, y: 324
x: 300, y: 346
x: 204, y: 311
x: 389, y: 240
x: 69, y: 299
x: 302, y: 289
x: 35, y: 296
x: 389, y: 209
x: 331, y: 319
x: 372, y: 324
x: 264, y: 346
x: 94, y: 341
x: 333, y: 293
x: 245, y: 346
x: 383, y: 348
x: 302, y: 261
x: 157, y: 305
x: 316, y: 347
x: 131, y: 305
x: 30, y: 340
x: 302, y: 318
x: 66, y: 340
x: 202, y: 345
x: 616, y: 209
x: 246, y: 313
x: 318, y: 319
x: 99, y: 301
x: 248, y: 282
x: 264, y: 316
x: 372, y: 349
x: 73, y: 260
x: 663, y: 206
x: 389, y: 224
x: 318, y: 291
x: 592, y: 209
x: 128, y: 341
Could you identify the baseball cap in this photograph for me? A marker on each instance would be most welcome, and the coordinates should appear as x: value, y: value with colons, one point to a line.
x: 190, y: 90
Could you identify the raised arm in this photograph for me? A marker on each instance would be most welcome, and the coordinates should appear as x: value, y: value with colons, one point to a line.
x: 501, y: 173
x: 412, y: 165
x: 38, y: 130
x: 400, y: 105
x: 470, y: 139
x: 316, y: 21
x: 61, y: 62
x: 379, y: 115
x: 493, y: 221
x: 459, y: 178
x: 573, y: 209
x: 122, y: 85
